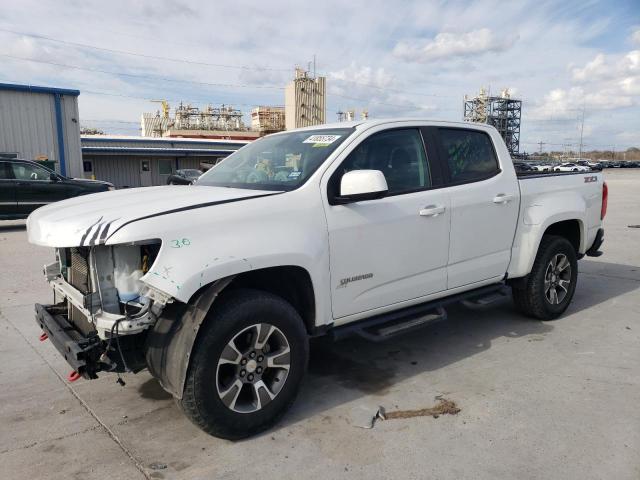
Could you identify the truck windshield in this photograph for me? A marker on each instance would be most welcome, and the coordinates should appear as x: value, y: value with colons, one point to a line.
x: 277, y: 162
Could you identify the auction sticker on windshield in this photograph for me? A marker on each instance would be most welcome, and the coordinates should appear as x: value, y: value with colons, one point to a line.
x: 321, y: 140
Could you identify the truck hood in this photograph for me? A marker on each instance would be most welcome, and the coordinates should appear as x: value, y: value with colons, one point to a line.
x: 91, y: 219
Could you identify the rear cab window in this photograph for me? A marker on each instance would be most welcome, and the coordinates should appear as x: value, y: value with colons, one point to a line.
x: 468, y: 154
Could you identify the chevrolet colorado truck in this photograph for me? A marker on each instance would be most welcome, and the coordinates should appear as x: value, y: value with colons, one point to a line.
x: 366, y: 228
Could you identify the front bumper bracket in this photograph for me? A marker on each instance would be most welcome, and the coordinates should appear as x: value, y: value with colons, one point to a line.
x: 81, y: 352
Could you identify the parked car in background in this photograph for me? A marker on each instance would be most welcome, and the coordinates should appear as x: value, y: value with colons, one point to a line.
x: 571, y: 167
x: 185, y: 176
x: 541, y: 167
x: 27, y: 185
x: 522, y: 167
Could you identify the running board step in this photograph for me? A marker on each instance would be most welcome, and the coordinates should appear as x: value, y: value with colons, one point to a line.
x: 397, y: 327
x: 388, y: 325
x: 486, y: 299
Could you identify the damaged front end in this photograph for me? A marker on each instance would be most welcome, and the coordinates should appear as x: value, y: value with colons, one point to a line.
x: 102, y: 307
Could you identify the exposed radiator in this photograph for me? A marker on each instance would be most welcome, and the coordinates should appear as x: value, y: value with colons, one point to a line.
x: 78, y: 270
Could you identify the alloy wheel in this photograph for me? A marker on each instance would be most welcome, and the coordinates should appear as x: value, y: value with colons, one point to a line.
x: 557, y: 279
x: 253, y: 367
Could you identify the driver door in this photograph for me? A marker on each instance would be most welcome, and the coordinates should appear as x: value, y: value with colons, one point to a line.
x: 394, y: 249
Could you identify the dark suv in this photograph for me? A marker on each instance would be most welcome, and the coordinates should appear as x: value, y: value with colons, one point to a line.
x: 26, y: 185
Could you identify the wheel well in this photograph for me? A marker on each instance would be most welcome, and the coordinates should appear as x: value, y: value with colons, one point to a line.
x: 569, y: 229
x: 291, y: 283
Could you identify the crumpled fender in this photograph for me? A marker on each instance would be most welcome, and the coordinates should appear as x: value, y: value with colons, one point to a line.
x: 170, y: 341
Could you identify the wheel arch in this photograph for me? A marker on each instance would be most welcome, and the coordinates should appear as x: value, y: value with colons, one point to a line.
x: 569, y: 225
x: 171, y: 339
x: 572, y: 230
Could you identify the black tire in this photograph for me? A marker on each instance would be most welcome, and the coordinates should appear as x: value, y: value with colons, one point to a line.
x: 231, y: 314
x: 531, y: 297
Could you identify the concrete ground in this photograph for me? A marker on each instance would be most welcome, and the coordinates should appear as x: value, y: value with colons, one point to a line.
x: 538, y: 400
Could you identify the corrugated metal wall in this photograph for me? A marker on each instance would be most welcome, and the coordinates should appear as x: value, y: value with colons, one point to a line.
x: 189, y: 162
x: 28, y: 124
x: 121, y: 171
x: 28, y: 127
x: 124, y: 170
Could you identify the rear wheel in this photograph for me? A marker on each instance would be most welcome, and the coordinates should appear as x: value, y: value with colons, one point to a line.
x: 247, y: 365
x: 548, y: 290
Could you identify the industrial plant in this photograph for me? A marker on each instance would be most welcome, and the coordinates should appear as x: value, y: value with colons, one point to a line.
x: 305, y: 105
x: 503, y: 112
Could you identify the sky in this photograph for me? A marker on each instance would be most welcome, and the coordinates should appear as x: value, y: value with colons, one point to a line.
x: 563, y: 59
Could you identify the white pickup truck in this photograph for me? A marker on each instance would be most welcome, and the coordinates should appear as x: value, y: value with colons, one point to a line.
x: 366, y: 228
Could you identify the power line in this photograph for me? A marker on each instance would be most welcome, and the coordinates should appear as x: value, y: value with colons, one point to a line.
x: 240, y: 67
x: 218, y: 85
x: 147, y: 77
x: 153, y: 57
x: 109, y: 121
x: 173, y: 100
x: 577, y: 144
x: 376, y: 102
x: 387, y: 89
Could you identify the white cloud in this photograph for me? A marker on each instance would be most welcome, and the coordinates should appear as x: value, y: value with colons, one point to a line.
x: 635, y: 37
x: 402, y: 49
x: 366, y: 75
x: 630, y: 85
x: 451, y: 45
x: 594, y: 69
x: 605, y: 83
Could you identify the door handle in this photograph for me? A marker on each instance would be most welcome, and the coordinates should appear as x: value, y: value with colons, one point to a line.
x: 431, y: 211
x: 502, y: 198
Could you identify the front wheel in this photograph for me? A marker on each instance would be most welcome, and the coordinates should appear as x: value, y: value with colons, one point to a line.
x: 547, y: 291
x: 246, y: 366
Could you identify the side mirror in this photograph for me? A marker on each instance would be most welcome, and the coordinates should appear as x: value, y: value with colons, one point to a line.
x: 360, y: 185
x: 53, y: 177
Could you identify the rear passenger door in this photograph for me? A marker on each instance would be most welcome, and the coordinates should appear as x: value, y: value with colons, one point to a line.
x: 484, y: 206
x: 7, y: 191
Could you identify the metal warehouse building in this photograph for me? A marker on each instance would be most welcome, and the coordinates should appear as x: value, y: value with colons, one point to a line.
x: 146, y: 161
x: 41, y: 123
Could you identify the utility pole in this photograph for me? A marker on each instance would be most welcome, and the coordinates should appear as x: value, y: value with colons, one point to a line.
x: 581, y: 132
x: 541, y: 143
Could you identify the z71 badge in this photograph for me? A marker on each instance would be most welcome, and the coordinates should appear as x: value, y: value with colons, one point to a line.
x: 590, y: 179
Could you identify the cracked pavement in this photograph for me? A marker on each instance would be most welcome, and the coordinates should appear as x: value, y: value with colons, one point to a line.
x: 538, y: 400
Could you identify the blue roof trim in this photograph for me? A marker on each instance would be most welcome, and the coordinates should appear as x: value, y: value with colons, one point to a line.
x: 163, y: 140
x: 60, y: 133
x: 35, y: 89
x: 148, y: 151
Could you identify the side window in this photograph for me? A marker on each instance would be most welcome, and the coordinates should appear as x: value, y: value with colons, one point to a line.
x: 469, y: 154
x: 164, y: 167
x: 26, y: 171
x: 4, y: 171
x: 398, y: 154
